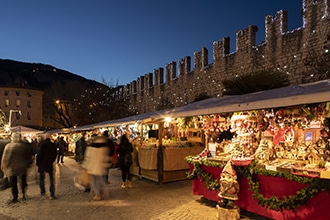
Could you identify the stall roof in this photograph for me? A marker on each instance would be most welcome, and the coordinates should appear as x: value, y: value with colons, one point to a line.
x: 23, y: 129
x: 145, y: 117
x: 286, y: 96
x: 59, y: 131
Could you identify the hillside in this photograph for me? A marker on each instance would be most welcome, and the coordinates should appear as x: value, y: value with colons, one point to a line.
x: 74, y: 91
x: 37, y: 75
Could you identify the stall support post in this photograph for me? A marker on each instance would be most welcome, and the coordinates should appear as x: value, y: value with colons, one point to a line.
x: 141, y: 135
x: 160, y: 152
x: 160, y: 164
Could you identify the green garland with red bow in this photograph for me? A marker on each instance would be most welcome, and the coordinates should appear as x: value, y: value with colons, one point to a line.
x: 293, y: 202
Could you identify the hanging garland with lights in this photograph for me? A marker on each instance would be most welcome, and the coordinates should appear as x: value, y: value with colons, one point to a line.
x: 293, y: 202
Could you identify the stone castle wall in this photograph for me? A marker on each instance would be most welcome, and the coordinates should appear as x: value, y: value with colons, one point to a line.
x: 282, y: 50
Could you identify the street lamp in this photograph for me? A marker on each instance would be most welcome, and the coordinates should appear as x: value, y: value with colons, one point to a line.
x: 10, y: 113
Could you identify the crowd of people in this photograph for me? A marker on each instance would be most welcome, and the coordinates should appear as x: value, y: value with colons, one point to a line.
x: 95, y: 154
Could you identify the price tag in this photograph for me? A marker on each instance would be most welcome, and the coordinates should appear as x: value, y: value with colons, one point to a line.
x: 273, y: 168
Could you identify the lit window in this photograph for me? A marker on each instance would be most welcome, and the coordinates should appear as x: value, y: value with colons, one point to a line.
x: 7, y: 102
x: 18, y: 103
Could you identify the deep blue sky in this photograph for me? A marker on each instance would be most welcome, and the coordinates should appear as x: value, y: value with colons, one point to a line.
x: 124, y: 39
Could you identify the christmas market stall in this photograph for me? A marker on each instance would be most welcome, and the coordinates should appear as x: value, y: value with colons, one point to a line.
x: 163, y: 151
x: 159, y: 148
x: 129, y: 126
x: 266, y: 152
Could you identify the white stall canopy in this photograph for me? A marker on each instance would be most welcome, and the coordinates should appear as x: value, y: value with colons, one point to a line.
x: 287, y: 96
x: 316, y: 92
x: 23, y: 129
x: 142, y: 118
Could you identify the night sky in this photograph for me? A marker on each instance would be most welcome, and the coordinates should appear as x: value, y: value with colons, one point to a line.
x: 118, y: 41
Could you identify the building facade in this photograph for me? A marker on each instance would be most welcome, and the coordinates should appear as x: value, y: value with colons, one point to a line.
x: 22, y: 106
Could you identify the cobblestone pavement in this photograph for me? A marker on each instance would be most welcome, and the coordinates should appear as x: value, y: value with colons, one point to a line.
x: 146, y: 200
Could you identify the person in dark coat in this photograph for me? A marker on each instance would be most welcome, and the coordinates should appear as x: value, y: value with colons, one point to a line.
x: 15, y: 161
x: 81, y: 145
x: 62, y: 146
x: 46, y: 156
x: 125, y: 149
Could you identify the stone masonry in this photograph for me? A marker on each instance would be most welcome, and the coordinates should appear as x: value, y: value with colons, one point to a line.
x: 283, y: 50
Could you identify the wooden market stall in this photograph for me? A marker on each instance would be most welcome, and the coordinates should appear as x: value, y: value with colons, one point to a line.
x: 277, y: 150
x: 166, y: 163
x: 157, y: 157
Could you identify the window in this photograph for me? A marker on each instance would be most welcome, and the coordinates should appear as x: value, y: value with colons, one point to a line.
x: 28, y: 94
x: 18, y: 115
x: 7, y: 102
x: 17, y: 93
x: 18, y: 103
x: 6, y: 93
x: 28, y: 104
x: 29, y: 115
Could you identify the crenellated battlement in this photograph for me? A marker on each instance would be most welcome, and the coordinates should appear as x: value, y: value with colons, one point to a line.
x: 282, y: 50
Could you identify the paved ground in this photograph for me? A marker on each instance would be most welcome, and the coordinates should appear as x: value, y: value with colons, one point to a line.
x: 146, y: 200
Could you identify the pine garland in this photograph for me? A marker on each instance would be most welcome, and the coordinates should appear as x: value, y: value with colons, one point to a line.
x: 293, y: 202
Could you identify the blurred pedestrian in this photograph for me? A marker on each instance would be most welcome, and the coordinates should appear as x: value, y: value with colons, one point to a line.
x: 111, y: 151
x: 15, y: 161
x: 46, y: 156
x: 125, y: 160
x: 97, y: 163
x: 3, y: 143
x: 61, y: 149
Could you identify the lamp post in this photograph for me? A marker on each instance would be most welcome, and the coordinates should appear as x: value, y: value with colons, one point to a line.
x: 8, y: 126
x: 10, y: 113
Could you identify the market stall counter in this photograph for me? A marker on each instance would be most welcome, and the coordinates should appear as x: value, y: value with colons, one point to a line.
x: 269, y: 187
x: 166, y: 163
x: 148, y: 162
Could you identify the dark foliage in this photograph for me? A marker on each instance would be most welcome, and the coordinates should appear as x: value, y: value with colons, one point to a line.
x: 255, y: 82
x: 201, y: 96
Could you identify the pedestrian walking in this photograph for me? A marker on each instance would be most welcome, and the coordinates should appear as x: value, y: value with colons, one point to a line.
x: 81, y: 145
x: 61, y: 149
x: 97, y: 162
x: 15, y: 161
x: 111, y: 146
x: 3, y: 143
x: 46, y: 157
x: 125, y: 161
